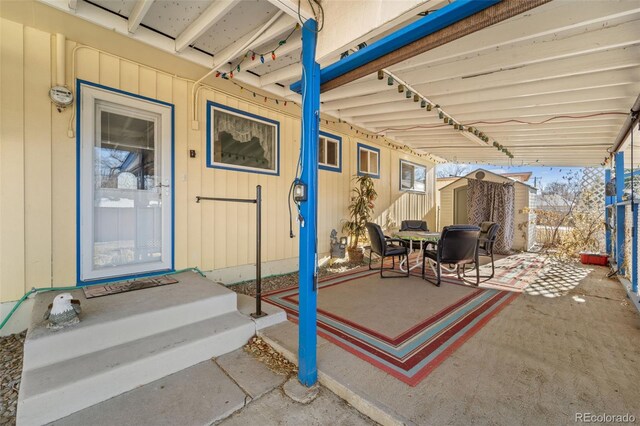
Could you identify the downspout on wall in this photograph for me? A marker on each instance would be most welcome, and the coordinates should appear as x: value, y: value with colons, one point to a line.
x: 61, y: 72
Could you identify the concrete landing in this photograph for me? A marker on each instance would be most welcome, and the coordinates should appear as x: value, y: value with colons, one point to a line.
x: 125, y: 341
x: 199, y: 395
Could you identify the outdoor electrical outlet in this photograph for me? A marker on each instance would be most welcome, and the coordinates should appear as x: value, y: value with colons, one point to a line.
x: 192, y: 153
x: 300, y: 192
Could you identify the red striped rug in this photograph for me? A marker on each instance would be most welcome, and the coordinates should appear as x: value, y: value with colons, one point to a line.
x: 404, y: 326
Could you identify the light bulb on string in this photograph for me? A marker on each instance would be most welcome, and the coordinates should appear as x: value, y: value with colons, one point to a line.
x: 262, y: 58
x: 390, y: 81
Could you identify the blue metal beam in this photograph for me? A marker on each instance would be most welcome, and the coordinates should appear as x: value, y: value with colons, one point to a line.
x: 620, y: 212
x: 307, y: 338
x: 423, y: 27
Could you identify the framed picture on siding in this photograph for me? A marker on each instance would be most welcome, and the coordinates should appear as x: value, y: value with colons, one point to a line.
x: 241, y: 141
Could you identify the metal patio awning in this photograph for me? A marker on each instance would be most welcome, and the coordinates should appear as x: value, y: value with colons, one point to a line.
x: 552, y: 86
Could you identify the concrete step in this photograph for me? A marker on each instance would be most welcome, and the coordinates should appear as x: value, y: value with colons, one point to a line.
x: 57, y: 390
x: 120, y: 318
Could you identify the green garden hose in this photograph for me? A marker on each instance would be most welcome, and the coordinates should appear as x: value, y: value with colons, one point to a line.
x: 47, y: 289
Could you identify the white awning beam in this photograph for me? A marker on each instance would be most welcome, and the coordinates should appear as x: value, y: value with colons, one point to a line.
x: 216, y: 11
x: 138, y: 13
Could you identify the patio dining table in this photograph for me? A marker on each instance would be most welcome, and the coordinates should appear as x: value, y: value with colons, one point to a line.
x: 420, y: 237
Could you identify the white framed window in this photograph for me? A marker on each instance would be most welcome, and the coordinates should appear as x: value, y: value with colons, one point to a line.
x: 413, y: 177
x: 330, y: 152
x: 368, y: 161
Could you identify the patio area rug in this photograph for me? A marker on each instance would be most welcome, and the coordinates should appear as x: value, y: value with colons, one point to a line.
x: 404, y: 326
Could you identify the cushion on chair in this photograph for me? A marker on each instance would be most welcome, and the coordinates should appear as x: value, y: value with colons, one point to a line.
x: 395, y: 251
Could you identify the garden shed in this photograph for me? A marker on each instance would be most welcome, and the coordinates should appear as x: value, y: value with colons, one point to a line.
x: 454, y: 205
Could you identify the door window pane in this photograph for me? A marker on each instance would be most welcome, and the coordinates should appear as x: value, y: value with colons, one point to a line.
x: 127, y: 205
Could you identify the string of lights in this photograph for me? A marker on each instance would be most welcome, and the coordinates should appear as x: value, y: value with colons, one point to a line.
x: 368, y: 135
x: 252, y: 54
x: 428, y: 105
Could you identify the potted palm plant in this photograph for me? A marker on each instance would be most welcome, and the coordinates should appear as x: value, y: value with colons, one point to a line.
x: 361, y: 207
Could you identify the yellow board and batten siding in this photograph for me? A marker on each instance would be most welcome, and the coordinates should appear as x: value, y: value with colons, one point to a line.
x: 38, y: 169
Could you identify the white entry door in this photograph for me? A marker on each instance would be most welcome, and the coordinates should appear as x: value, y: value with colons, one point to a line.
x: 125, y: 223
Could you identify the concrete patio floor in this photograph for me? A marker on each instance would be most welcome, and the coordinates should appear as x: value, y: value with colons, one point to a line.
x: 541, y: 360
x: 233, y: 389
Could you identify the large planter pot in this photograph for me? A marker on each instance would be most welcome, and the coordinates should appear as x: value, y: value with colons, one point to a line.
x: 356, y: 254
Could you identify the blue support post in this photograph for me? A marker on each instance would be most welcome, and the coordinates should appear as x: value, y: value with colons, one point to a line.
x: 607, y: 203
x: 620, y: 222
x: 307, y: 338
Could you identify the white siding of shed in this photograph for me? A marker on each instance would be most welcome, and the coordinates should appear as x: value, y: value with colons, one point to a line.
x: 524, y: 236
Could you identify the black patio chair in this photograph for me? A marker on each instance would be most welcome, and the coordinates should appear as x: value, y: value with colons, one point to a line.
x: 488, y: 236
x: 458, y: 246
x: 384, y: 247
x: 415, y: 225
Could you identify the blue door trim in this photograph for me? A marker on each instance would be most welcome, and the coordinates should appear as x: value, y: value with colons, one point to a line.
x: 80, y: 282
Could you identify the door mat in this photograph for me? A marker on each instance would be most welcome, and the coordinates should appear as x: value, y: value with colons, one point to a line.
x: 115, y: 288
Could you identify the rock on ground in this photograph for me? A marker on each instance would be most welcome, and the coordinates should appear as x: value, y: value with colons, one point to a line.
x: 11, y: 350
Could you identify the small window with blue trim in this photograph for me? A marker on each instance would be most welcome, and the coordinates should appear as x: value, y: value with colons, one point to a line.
x: 368, y: 161
x: 330, y: 152
x: 413, y: 177
x: 241, y: 141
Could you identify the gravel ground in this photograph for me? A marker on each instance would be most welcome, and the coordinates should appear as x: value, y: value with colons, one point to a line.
x: 289, y: 280
x: 11, y: 348
x: 275, y: 361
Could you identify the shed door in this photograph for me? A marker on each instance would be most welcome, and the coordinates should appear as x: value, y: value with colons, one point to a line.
x: 125, y: 185
x: 460, y: 216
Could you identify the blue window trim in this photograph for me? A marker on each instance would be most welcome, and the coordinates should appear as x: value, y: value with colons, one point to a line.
x: 79, y: 281
x: 211, y: 164
x: 415, y: 191
x: 329, y: 168
x: 370, y: 148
